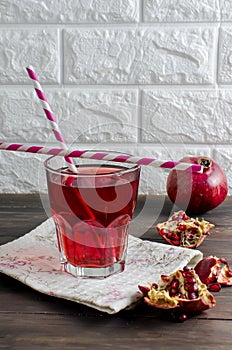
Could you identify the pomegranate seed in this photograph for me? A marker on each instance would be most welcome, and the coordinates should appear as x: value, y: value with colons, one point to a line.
x: 187, y: 274
x: 164, y: 278
x: 175, y: 236
x: 169, y: 235
x: 176, y: 295
x: 183, y: 317
x: 214, y: 287
x: 176, y: 243
x: 175, y: 284
x: 185, y: 217
x: 144, y: 290
x: 189, y: 279
x: 178, y: 316
x: 179, y: 295
x: 192, y: 296
x: 182, y: 296
x: 154, y: 285
x: 164, y: 231
x: 191, y: 287
x: 181, y: 227
x: 186, y: 268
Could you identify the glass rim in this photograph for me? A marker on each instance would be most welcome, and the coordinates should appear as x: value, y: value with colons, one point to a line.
x: 124, y: 165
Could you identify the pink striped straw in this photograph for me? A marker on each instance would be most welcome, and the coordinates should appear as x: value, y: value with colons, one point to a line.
x: 50, y: 116
x: 111, y: 156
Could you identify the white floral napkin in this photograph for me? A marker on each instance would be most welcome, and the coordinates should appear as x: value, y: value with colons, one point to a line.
x: 33, y: 260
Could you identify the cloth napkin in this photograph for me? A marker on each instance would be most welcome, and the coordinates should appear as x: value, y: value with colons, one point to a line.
x: 33, y: 260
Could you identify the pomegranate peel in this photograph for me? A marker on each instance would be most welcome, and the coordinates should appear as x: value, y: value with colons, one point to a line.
x: 171, y: 293
x: 214, y: 270
x: 181, y: 230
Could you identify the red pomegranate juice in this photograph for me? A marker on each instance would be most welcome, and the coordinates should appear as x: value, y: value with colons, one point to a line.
x: 92, y: 213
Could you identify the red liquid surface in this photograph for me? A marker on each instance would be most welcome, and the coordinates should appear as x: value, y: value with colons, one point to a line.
x: 92, y: 214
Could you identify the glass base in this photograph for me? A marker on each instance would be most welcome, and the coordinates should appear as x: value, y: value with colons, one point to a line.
x: 98, y: 272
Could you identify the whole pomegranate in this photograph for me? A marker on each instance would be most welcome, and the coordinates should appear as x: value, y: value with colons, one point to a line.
x: 194, y: 192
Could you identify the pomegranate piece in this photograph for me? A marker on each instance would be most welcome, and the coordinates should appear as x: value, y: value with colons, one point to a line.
x: 214, y: 287
x: 197, y: 193
x: 181, y: 230
x: 213, y: 270
x: 172, y: 292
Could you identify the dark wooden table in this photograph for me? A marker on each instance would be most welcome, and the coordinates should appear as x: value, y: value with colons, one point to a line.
x: 30, y: 320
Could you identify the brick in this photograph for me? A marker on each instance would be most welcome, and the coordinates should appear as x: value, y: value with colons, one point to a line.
x: 166, y: 55
x: 23, y: 47
x: 225, y: 56
x: 91, y: 116
x: 186, y: 116
x: 222, y: 122
x: 223, y: 155
x: 68, y: 11
x: 97, y: 116
x: 181, y: 10
x: 22, y: 173
x: 22, y: 118
x: 226, y: 10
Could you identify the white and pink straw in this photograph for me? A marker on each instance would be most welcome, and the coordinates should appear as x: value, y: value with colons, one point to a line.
x: 108, y: 156
x: 50, y: 116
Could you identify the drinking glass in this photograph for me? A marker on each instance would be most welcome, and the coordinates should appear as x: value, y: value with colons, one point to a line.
x: 92, y: 210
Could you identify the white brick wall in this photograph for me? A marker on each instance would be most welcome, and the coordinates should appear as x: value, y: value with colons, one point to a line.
x: 147, y: 77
